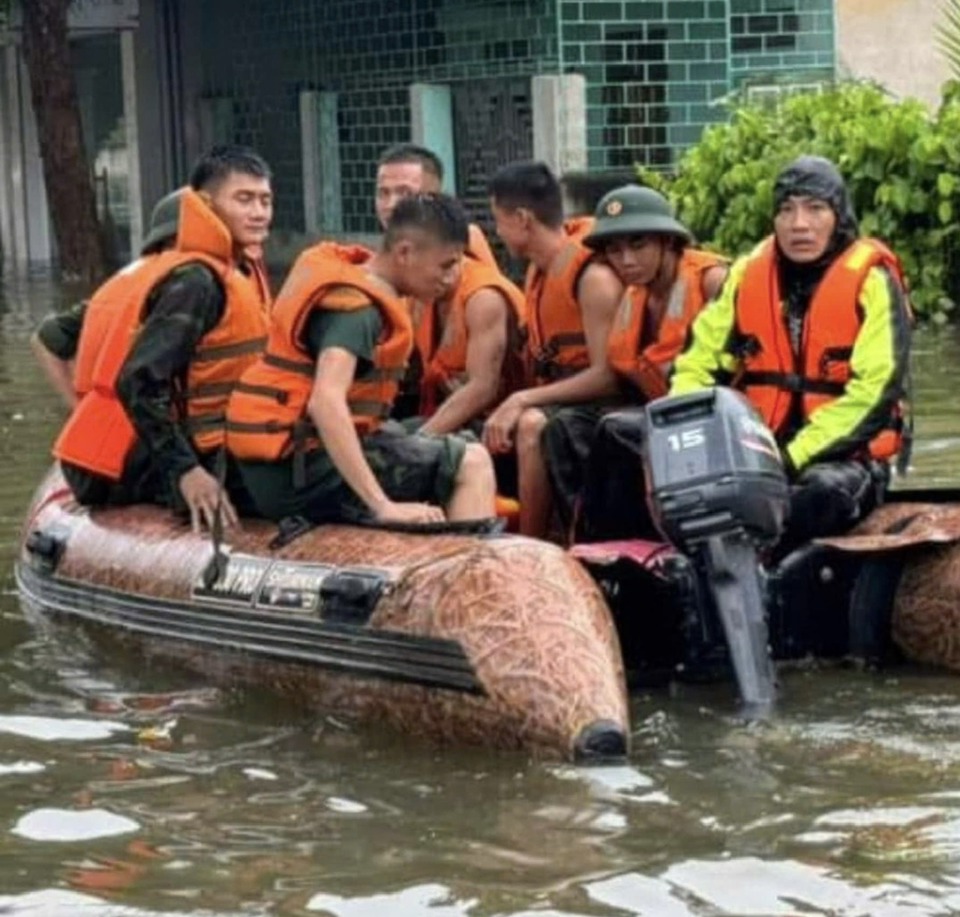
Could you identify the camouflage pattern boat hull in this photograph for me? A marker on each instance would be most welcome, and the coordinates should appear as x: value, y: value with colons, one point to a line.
x: 494, y: 640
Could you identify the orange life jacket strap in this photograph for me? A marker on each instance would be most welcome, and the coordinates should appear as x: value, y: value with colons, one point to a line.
x: 292, y: 366
x: 226, y: 351
x: 363, y: 408
x: 262, y: 426
x: 791, y: 382
x: 201, y: 423
x: 568, y: 339
x: 265, y: 391
x: 209, y: 390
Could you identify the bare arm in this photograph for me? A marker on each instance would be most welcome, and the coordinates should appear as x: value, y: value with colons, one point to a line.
x: 330, y: 414
x: 58, y: 372
x: 598, y: 291
x: 486, y: 315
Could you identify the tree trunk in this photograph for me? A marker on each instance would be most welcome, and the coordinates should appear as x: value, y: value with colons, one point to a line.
x: 66, y: 173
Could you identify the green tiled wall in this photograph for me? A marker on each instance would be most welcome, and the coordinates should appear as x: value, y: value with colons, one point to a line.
x: 655, y: 70
x: 652, y: 70
x: 262, y: 53
x: 776, y: 40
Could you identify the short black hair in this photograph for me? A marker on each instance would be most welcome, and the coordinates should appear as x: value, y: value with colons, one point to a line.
x: 414, y: 153
x: 531, y: 185
x: 438, y: 215
x: 222, y: 160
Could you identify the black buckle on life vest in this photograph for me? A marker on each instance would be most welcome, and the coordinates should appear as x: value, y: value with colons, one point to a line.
x: 793, y: 382
x: 544, y: 365
x: 744, y: 346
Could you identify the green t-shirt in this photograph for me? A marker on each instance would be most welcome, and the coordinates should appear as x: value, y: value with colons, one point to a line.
x: 356, y: 331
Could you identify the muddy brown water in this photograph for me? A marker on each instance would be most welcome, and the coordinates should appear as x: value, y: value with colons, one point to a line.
x: 130, y: 792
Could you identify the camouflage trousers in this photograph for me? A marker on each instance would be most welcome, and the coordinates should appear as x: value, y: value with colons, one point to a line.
x: 567, y: 442
x: 409, y: 467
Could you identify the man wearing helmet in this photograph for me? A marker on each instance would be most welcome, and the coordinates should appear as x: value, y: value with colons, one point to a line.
x: 667, y: 284
x: 814, y: 327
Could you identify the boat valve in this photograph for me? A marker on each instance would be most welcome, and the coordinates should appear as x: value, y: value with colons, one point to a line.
x: 45, y: 549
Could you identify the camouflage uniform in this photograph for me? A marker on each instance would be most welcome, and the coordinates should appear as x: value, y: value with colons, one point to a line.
x: 184, y: 307
x: 59, y: 332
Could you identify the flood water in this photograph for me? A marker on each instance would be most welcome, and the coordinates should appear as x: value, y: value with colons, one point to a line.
x: 128, y: 792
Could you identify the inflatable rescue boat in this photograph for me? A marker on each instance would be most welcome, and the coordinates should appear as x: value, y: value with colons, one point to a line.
x: 470, y: 635
x: 476, y: 637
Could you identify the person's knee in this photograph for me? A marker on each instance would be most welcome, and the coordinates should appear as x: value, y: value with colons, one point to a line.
x: 816, y: 508
x: 476, y: 467
x: 530, y: 428
x: 622, y: 427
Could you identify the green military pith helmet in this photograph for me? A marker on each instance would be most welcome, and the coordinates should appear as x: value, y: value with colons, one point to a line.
x: 164, y: 222
x: 633, y: 210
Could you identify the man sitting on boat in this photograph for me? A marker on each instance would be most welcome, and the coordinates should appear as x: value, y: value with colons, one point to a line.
x: 667, y: 284
x: 164, y: 342
x: 57, y: 338
x: 571, y: 300
x: 306, y: 421
x: 814, y: 327
x: 467, y: 340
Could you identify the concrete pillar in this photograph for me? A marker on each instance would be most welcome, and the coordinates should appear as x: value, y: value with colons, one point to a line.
x: 8, y: 129
x: 158, y: 132
x: 128, y: 70
x: 39, y: 241
x: 559, y: 104
x: 320, y: 154
x: 19, y: 251
x: 431, y: 119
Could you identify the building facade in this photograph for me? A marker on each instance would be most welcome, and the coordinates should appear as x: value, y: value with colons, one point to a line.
x: 916, y: 68
x: 320, y: 87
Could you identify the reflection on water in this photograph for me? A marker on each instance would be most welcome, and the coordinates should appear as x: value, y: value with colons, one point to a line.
x: 135, y: 793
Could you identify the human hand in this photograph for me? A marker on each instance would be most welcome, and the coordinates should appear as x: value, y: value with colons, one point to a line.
x: 409, y: 512
x: 202, y: 492
x: 498, y: 430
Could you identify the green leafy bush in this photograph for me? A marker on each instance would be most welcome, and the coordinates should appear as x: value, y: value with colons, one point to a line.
x: 902, y: 167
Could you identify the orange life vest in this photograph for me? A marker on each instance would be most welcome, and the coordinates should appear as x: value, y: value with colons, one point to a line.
x: 556, y: 342
x: 107, y: 301
x: 445, y: 361
x: 348, y: 252
x: 478, y: 247
x: 771, y: 376
x: 267, y: 415
x: 99, y: 435
x: 646, y: 365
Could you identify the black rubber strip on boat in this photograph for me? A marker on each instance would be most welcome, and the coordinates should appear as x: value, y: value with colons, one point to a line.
x: 358, y: 651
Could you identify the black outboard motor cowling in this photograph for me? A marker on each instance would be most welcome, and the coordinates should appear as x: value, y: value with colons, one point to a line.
x: 717, y: 490
x: 713, y: 467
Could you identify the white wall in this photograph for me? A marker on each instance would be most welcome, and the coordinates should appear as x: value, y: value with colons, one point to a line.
x: 894, y: 43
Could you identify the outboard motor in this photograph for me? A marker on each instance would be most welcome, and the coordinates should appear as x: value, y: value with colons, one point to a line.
x: 718, y: 491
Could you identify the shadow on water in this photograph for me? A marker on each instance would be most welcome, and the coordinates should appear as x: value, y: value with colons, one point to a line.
x: 134, y: 792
